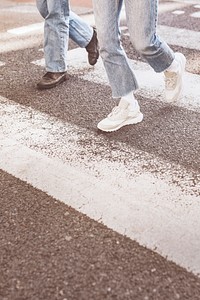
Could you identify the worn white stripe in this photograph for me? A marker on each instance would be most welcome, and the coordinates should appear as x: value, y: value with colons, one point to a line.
x: 21, y: 37
x: 195, y: 15
x: 151, y: 83
x: 23, y: 9
x: 178, y: 12
x: 27, y: 29
x: 11, y: 42
x: 189, y: 2
x: 180, y: 37
x: 169, y: 6
x: 147, y: 208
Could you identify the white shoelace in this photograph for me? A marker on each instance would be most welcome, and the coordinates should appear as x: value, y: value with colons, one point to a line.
x: 171, y: 80
x: 116, y: 111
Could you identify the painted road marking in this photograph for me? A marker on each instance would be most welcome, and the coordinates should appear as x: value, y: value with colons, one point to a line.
x: 173, y: 36
x: 169, y: 6
x: 28, y: 138
x: 189, y: 2
x: 27, y: 29
x: 72, y: 175
x: 178, y: 12
x: 11, y: 42
x: 23, y: 9
x: 195, y: 15
x: 180, y: 37
x: 151, y: 83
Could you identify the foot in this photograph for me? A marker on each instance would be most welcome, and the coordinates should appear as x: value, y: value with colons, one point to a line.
x: 51, y: 79
x: 121, y: 115
x: 93, y: 49
x: 174, y: 80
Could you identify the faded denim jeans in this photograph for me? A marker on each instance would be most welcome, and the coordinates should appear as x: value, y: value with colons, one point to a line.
x: 141, y: 18
x: 60, y: 25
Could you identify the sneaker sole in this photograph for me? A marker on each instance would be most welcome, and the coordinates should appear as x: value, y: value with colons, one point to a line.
x: 132, y: 121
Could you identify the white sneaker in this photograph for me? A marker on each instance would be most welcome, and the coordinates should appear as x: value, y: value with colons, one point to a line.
x: 174, y: 80
x: 121, y: 115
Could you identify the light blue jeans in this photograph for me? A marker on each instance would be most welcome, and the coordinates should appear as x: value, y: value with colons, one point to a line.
x: 141, y: 18
x: 60, y: 25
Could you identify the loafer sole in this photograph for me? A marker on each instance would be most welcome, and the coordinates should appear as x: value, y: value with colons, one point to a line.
x: 50, y: 85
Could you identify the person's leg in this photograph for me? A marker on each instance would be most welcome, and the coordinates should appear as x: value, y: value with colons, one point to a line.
x: 119, y: 72
x: 142, y: 22
x: 84, y: 36
x: 42, y: 7
x: 79, y: 30
x: 56, y: 36
x: 141, y: 19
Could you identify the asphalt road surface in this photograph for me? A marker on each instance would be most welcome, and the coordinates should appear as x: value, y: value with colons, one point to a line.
x: 86, y: 215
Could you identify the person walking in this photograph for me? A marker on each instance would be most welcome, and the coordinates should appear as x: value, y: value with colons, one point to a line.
x: 141, y: 17
x: 61, y: 24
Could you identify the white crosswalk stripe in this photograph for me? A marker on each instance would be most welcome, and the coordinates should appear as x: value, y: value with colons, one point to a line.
x: 38, y: 27
x: 178, y: 12
x: 151, y: 83
x: 196, y: 15
x: 163, y: 216
x: 180, y: 37
x: 26, y: 133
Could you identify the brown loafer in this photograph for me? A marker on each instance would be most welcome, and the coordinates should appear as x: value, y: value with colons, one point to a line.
x: 51, y: 79
x: 93, y: 49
